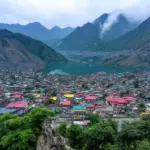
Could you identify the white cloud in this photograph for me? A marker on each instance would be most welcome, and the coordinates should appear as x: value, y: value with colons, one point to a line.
x: 139, y: 11
x: 113, y: 18
x: 68, y: 12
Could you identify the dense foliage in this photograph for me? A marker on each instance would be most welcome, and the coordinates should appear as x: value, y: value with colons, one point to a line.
x: 20, y: 133
x: 104, y: 135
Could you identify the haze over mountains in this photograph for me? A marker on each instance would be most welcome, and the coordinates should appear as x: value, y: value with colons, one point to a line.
x: 38, y: 31
x: 132, y: 40
x: 138, y: 41
x: 93, y: 36
x: 108, y: 33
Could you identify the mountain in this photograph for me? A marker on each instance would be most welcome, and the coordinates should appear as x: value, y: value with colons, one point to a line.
x: 83, y: 38
x: 119, y: 27
x: 132, y: 40
x: 140, y: 58
x: 91, y: 36
x: 15, y: 47
x: 59, y: 33
x: 138, y: 41
x: 38, y: 31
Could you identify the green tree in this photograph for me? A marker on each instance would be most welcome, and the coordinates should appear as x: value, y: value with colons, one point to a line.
x: 20, y: 133
x: 94, y: 118
x: 62, y: 129
x: 99, y: 135
x: 19, y: 140
x: 53, y: 92
x: 133, y: 132
x: 141, y: 107
x: 143, y: 145
x: 75, y: 137
x: 36, y: 117
x: 112, y: 147
x: 146, y: 118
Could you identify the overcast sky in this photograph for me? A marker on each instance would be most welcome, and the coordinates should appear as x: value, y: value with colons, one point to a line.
x: 68, y: 12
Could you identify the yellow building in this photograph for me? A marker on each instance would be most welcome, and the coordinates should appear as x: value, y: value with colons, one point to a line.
x: 37, y: 95
x: 54, y: 98
x: 69, y: 95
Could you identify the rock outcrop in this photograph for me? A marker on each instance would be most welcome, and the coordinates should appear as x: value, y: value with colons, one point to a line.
x: 50, y: 140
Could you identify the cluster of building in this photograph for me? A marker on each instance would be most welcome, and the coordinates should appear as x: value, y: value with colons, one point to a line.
x: 76, y: 97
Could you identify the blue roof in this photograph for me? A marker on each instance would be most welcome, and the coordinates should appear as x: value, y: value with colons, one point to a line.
x: 6, y: 110
x: 79, y: 107
x: 20, y: 112
x: 89, y: 105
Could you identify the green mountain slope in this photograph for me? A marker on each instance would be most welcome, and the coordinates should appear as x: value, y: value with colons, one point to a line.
x: 83, y: 38
x: 132, y: 40
x: 88, y: 37
x: 139, y: 58
x: 18, y: 47
x: 38, y: 31
x: 138, y: 41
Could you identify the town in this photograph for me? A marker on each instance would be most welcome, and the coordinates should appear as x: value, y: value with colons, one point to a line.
x: 74, y: 98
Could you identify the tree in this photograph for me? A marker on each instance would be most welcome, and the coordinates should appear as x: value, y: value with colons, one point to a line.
x: 54, y: 92
x: 133, y: 132
x: 99, y: 135
x: 31, y: 97
x: 62, y: 129
x: 141, y: 107
x: 94, y: 118
x: 75, y: 136
x: 36, y: 117
x: 104, y: 95
x: 19, y: 140
x: 20, y: 133
x: 112, y: 147
x: 143, y: 145
x: 146, y: 118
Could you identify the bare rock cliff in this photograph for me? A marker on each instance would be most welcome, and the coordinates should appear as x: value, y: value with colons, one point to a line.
x: 50, y: 140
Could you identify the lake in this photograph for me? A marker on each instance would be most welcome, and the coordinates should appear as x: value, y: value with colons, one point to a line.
x: 82, y: 69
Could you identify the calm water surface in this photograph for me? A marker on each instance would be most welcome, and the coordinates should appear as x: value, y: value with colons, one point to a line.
x: 82, y: 69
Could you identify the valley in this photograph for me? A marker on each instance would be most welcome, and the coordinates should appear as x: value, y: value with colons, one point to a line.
x: 75, y: 75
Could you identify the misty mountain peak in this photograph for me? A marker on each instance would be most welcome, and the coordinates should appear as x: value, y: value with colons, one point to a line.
x: 35, y: 25
x: 38, y: 31
x: 105, y: 28
x: 101, y: 19
x: 55, y: 28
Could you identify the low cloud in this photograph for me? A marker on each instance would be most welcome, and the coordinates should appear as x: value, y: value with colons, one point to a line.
x: 137, y: 12
x: 113, y: 18
x: 69, y: 12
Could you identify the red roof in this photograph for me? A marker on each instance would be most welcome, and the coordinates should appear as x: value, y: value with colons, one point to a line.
x: 18, y: 104
x: 111, y: 99
x: 14, y: 93
x: 121, y: 100
x: 90, y: 98
x: 10, y: 105
x: 66, y: 103
x: 130, y: 98
x: 17, y: 96
x: 116, y: 100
